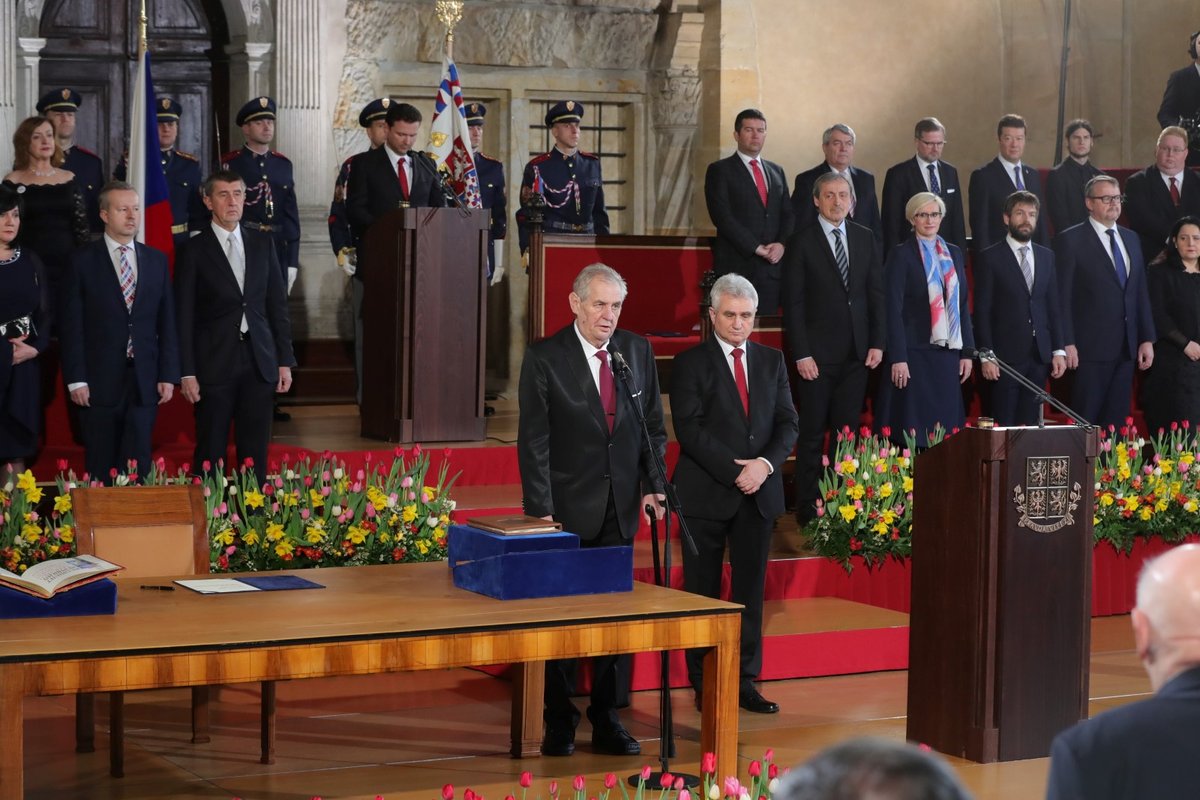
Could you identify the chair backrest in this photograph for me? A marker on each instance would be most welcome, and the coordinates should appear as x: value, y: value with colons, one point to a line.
x: 149, y: 530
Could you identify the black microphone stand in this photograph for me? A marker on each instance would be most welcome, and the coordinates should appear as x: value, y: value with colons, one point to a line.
x: 1039, y: 391
x: 440, y: 178
x: 662, y: 577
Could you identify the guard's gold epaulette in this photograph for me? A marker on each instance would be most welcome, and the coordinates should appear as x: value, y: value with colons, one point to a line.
x: 487, y: 157
x: 188, y: 156
x: 586, y: 154
x: 539, y: 159
x: 230, y: 156
x: 278, y: 154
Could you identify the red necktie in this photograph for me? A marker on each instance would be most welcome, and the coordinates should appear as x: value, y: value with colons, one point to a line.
x: 608, y: 391
x: 1174, y: 191
x: 759, y: 181
x: 739, y: 377
x: 403, y: 177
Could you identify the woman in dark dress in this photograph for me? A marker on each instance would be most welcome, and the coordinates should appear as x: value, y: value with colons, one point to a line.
x: 54, y: 221
x: 1171, y: 391
x: 928, y: 328
x: 24, y: 326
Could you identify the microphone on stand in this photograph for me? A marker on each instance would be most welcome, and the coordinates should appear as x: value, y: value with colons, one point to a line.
x: 618, y: 360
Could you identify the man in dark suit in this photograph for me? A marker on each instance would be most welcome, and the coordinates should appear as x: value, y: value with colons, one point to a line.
x: 235, y: 339
x: 735, y: 422
x: 491, y: 188
x: 747, y: 200
x: 1107, y: 322
x: 833, y: 318
x: 60, y: 107
x: 585, y: 463
x: 924, y: 172
x: 1017, y: 314
x: 838, y: 144
x: 1064, y: 184
x: 1145, y: 750
x: 373, y: 120
x: 1181, y: 99
x: 1157, y: 196
x: 992, y: 183
x: 120, y: 355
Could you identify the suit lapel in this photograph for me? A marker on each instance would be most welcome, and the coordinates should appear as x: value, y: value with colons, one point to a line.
x: 582, y: 372
x: 720, y: 367
x: 762, y: 392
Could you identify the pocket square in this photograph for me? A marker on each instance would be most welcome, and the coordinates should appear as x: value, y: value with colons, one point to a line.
x: 951, y: 191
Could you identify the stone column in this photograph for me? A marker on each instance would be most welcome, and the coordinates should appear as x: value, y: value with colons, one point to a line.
x: 28, y: 56
x: 303, y: 128
x: 8, y: 86
x: 249, y: 76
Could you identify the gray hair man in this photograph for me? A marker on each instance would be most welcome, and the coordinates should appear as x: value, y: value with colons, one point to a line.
x: 838, y: 143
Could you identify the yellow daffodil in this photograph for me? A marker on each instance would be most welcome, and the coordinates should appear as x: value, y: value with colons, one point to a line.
x: 855, y: 492
x: 886, y: 490
x: 26, y: 481
x: 290, y: 498
x: 66, y: 533
x: 422, y: 547
x: 1131, y: 504
x: 1190, y: 506
x: 284, y: 548
x: 880, y: 528
x: 409, y: 513
x: 274, y: 531
x: 34, y: 494
x: 848, y: 512
x: 315, y: 498
x: 31, y: 532
x: 907, y: 485
x: 1106, y: 499
x: 377, y: 498
x: 356, y: 534
x: 225, y: 537
x: 250, y: 537
x: 314, y: 534
x: 254, y: 499
x: 1145, y: 513
x: 62, y: 503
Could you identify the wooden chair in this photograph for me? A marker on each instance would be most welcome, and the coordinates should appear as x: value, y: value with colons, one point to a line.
x: 151, y: 531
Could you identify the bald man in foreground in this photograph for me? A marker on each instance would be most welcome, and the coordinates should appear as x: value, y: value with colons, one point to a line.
x: 1147, y: 749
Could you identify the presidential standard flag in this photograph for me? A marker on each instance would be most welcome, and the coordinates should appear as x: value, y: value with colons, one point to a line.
x: 450, y: 139
x: 145, y: 165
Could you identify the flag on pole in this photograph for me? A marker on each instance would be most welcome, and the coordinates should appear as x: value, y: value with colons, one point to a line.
x: 145, y: 164
x: 450, y: 138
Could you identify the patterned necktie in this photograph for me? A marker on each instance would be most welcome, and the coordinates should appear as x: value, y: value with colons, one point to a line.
x: 759, y: 181
x: 608, y: 390
x: 1017, y: 175
x: 839, y: 254
x: 739, y: 377
x: 1026, y: 267
x: 934, y: 186
x: 403, y: 175
x: 128, y: 289
x: 1174, y: 191
x: 1118, y: 258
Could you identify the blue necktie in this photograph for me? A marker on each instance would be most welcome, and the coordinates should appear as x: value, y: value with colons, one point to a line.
x: 1118, y: 259
x: 933, y: 181
x: 1017, y: 175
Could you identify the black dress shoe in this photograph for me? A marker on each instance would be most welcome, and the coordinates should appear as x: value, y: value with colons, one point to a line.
x: 280, y: 415
x: 558, y: 742
x: 751, y: 700
x: 699, y: 700
x: 614, y: 740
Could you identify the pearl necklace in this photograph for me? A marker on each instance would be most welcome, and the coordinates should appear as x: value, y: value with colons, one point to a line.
x: 46, y: 174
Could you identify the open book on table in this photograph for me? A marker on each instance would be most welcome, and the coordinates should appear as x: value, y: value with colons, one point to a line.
x: 58, y: 575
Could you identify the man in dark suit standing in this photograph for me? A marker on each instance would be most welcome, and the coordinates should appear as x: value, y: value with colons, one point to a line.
x: 747, y: 200
x: 992, y: 183
x: 235, y: 339
x: 1148, y: 749
x: 735, y: 422
x: 1107, y: 322
x: 373, y: 120
x: 1017, y: 314
x: 491, y: 188
x: 1157, y: 196
x: 838, y: 144
x: 585, y: 463
x: 120, y: 355
x: 833, y: 317
x: 1064, y: 184
x: 1181, y: 99
x: 924, y: 172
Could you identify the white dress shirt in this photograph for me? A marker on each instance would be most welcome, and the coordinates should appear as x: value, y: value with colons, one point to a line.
x: 727, y: 349
x: 1166, y: 179
x: 925, y: 165
x: 1009, y: 166
x: 746, y: 163
x: 394, y: 158
x: 114, y: 255
x: 589, y: 353
x: 1102, y: 232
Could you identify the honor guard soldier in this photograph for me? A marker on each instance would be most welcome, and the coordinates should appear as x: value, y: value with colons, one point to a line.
x: 373, y: 118
x: 491, y: 187
x: 270, y: 188
x: 183, y: 175
x: 59, y: 106
x: 567, y: 178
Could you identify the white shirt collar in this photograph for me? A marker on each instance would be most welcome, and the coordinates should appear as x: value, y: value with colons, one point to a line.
x: 727, y: 348
x: 223, y: 235
x: 112, y: 244
x: 1008, y: 165
x: 1016, y: 247
x: 828, y: 226
x: 1100, y: 227
x: 925, y: 165
x: 589, y: 349
x: 747, y: 159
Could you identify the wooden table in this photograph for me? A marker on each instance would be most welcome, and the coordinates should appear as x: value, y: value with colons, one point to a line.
x: 367, y: 620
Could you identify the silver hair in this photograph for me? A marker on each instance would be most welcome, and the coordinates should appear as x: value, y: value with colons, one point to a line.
x: 1087, y: 189
x: 919, y: 201
x: 838, y: 128
x: 732, y: 285
x: 872, y: 767
x: 603, y: 272
x: 830, y: 177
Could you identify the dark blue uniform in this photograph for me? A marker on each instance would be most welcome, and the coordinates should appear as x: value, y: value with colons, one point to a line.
x: 183, y: 185
x: 270, y: 199
x: 491, y: 195
x: 573, y: 192
x: 89, y: 177
x: 341, y: 236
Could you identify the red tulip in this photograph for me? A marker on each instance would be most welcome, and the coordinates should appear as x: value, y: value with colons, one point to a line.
x: 773, y: 771
x: 448, y: 792
x: 708, y: 763
x: 665, y: 780
x: 578, y: 783
x: 526, y: 779
x: 755, y: 769
x: 610, y: 781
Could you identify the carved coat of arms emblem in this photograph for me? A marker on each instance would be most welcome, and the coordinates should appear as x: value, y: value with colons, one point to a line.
x: 1047, y: 501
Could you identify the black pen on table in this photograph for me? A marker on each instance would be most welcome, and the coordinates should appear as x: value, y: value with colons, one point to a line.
x: 158, y: 588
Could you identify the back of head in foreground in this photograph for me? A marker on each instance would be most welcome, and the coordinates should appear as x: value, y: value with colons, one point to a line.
x: 872, y: 769
x: 1166, y: 622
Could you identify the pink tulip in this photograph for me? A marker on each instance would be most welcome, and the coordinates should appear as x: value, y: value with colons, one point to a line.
x: 448, y: 792
x: 646, y: 773
x: 610, y: 779
x: 578, y: 783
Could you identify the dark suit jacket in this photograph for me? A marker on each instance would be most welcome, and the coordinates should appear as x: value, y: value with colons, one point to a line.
x: 991, y: 185
x: 1181, y: 99
x: 866, y: 205
x: 1065, y: 193
x: 1141, y: 751
x: 908, y: 318
x: 822, y: 319
x: 1150, y: 211
x: 210, y: 306
x: 742, y: 222
x: 713, y: 430
x: 567, y: 456
x: 1102, y: 321
x: 1007, y: 316
x: 95, y: 325
x: 374, y: 188
x: 901, y: 183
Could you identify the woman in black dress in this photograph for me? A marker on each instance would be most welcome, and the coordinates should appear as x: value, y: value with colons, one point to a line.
x: 1171, y: 391
x: 24, y: 326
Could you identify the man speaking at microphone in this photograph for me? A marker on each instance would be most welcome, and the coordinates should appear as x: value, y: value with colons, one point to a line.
x: 585, y: 463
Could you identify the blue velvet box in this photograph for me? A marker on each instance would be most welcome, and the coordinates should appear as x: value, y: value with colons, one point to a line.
x: 98, y: 597
x: 535, y: 565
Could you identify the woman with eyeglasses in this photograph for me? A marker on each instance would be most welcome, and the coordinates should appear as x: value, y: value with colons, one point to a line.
x: 1171, y: 391
x: 928, y: 329
x: 24, y: 307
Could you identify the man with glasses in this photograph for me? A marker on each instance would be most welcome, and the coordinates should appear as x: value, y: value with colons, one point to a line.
x: 1107, y: 322
x: 924, y: 172
x: 1163, y: 192
x: 1064, y: 184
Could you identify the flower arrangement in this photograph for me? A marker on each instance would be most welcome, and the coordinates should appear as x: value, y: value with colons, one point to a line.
x: 27, y: 535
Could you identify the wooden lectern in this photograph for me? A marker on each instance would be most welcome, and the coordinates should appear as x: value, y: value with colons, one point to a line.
x: 424, y: 314
x: 1001, y: 590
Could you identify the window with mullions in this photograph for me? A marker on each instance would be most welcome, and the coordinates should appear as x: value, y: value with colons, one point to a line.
x: 605, y: 131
